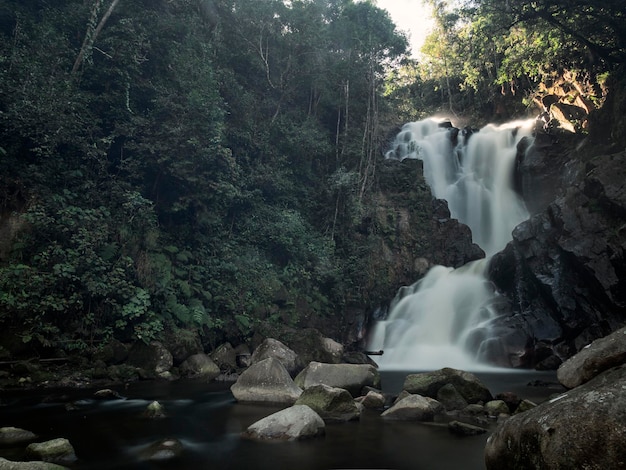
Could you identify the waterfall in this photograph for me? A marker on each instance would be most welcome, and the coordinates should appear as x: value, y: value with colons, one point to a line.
x: 443, y: 319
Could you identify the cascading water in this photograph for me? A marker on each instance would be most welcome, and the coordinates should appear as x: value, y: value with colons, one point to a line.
x: 442, y: 320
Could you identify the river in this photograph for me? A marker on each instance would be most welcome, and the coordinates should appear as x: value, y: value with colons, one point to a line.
x: 111, y: 434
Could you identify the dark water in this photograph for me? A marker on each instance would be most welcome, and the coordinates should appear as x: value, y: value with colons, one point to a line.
x: 112, y: 434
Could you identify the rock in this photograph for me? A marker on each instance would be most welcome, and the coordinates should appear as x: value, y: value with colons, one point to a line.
x: 450, y: 398
x: 199, y: 366
x: 266, y: 381
x: 600, y: 355
x: 466, y: 384
x: 225, y: 357
x: 352, y: 377
x: 373, y: 400
x: 357, y: 357
x: 152, y: 358
x: 243, y: 356
x: 165, y: 449
x: 495, y: 408
x: 569, y: 117
x: 511, y: 399
x: 107, y: 394
x: 474, y: 410
x: 311, y: 345
x: 154, y: 411
x: 459, y: 428
x: 525, y: 405
x: 10, y: 436
x: 331, y: 403
x: 182, y: 344
x: 295, y: 423
x: 8, y: 465
x: 551, y: 362
x: 413, y: 408
x: 58, y: 451
x: 273, y: 348
x: 582, y: 428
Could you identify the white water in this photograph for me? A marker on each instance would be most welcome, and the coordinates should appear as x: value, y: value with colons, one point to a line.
x: 442, y: 320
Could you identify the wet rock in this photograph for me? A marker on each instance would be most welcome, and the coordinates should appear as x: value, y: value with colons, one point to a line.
x: 243, y: 356
x: 450, y: 398
x: 58, y: 451
x: 373, y: 400
x: 525, y: 405
x: 152, y: 358
x: 495, y: 408
x: 199, y: 366
x: 582, y: 428
x: 474, y: 410
x: 9, y: 465
x: 225, y: 357
x: 295, y: 423
x: 165, y: 449
x: 13, y: 436
x: 273, y: 348
x: 459, y: 428
x: 466, y: 383
x: 511, y: 399
x: 331, y: 403
x: 154, y: 411
x: 352, y: 377
x: 600, y: 355
x: 107, y: 394
x: 414, y: 408
x: 266, y: 381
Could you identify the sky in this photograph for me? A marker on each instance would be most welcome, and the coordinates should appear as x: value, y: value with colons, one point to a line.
x: 412, y: 17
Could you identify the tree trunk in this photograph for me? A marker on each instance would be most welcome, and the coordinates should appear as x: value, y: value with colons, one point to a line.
x: 92, y: 34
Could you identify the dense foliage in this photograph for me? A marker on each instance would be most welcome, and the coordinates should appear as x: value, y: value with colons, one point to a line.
x: 490, y: 57
x: 183, y: 164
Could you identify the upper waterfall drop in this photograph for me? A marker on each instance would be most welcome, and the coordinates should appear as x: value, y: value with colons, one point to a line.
x: 473, y: 171
x: 443, y: 319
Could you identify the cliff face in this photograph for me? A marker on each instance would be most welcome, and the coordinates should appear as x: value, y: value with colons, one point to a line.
x: 564, y: 273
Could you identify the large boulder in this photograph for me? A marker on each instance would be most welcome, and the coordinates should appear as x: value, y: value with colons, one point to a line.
x: 582, y: 428
x: 153, y: 358
x: 271, y: 347
x: 466, y: 384
x: 199, y: 366
x: 351, y: 377
x: 414, y: 408
x: 266, y: 381
x: 59, y: 451
x: 331, y: 403
x: 600, y: 355
x: 295, y: 423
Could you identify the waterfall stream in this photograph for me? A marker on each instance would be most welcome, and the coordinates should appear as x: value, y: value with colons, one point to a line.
x: 443, y: 319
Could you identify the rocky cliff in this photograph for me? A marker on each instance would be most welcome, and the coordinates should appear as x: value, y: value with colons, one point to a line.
x: 564, y: 275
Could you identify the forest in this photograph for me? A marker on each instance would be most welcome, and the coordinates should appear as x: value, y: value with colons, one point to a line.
x: 205, y: 166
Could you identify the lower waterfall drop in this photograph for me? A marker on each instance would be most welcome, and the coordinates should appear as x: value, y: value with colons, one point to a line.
x: 443, y: 319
